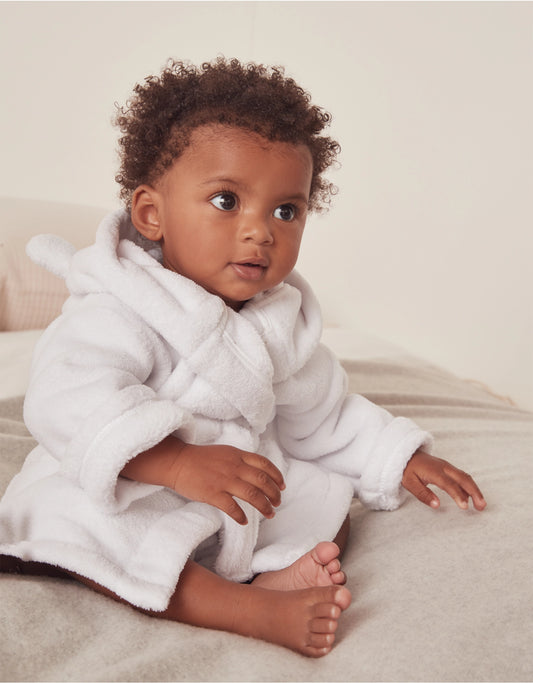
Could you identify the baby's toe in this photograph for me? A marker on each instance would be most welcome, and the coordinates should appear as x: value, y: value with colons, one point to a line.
x: 339, y: 578
x: 325, y: 552
x: 333, y: 566
x: 321, y: 640
x: 342, y: 597
x: 322, y: 625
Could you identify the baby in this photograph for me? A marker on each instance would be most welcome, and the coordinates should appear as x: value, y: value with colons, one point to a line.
x: 197, y: 449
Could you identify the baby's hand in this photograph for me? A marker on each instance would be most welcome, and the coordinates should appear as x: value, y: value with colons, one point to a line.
x: 214, y: 474
x: 424, y: 469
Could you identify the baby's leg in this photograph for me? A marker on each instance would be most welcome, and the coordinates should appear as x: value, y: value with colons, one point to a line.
x: 301, y: 616
x: 302, y: 620
x: 341, y: 539
x: 13, y: 565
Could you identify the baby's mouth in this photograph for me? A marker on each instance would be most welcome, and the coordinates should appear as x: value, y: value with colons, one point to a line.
x: 250, y: 270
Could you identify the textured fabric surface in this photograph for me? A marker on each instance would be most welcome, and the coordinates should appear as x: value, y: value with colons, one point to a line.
x: 437, y: 595
x: 30, y: 297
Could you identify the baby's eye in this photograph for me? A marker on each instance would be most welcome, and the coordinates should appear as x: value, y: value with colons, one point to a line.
x: 285, y: 212
x: 224, y: 201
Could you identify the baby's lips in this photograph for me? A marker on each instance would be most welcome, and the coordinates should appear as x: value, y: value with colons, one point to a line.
x: 249, y: 271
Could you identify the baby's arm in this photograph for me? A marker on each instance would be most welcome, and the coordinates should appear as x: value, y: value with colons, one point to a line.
x: 211, y: 474
x: 423, y: 469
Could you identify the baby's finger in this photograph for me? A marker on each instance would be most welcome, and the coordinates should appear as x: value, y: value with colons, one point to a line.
x: 262, y: 481
x: 469, y: 487
x: 251, y: 494
x: 264, y: 464
x: 228, y: 504
x: 424, y: 494
x: 454, y: 490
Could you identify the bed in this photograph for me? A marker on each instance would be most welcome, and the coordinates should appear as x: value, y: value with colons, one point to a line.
x: 437, y: 596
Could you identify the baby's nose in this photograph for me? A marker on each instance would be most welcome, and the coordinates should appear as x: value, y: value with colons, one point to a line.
x: 257, y: 230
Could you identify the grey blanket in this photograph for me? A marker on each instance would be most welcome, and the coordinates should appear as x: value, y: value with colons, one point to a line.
x: 441, y: 595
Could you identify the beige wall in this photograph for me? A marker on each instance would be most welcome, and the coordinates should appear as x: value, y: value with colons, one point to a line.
x: 429, y: 242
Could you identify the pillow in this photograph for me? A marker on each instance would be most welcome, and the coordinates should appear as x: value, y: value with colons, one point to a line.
x: 30, y: 296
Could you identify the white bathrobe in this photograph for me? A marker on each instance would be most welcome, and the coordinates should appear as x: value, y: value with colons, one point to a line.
x: 139, y: 353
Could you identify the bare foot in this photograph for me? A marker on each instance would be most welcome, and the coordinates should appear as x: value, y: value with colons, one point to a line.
x: 303, y: 620
x: 319, y: 567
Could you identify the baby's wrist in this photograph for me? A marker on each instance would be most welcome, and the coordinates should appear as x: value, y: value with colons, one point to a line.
x: 158, y: 465
x: 173, y: 472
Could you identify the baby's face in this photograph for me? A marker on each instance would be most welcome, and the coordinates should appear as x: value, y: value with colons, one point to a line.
x: 232, y: 211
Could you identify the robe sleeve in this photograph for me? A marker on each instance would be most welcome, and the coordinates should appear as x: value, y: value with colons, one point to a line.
x: 92, y: 401
x: 346, y: 433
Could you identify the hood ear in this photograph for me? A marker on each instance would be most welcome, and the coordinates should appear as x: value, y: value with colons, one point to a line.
x: 145, y: 212
x: 51, y: 252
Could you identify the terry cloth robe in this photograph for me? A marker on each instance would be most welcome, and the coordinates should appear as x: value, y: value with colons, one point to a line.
x: 139, y: 353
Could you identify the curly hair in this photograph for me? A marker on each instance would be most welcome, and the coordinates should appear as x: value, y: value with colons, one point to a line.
x: 157, y: 122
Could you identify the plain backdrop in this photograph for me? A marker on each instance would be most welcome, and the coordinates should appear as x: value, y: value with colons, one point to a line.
x: 429, y: 241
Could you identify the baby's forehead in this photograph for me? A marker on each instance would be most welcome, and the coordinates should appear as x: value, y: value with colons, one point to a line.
x: 238, y: 135
x: 212, y: 137
x: 218, y: 154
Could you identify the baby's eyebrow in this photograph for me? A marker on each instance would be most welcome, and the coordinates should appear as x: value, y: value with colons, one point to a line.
x: 300, y: 197
x: 222, y: 180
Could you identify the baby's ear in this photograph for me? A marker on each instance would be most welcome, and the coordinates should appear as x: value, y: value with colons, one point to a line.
x: 145, y: 213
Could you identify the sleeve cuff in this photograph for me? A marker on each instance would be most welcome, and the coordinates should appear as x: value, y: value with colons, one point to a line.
x: 115, y: 435
x: 381, y: 483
